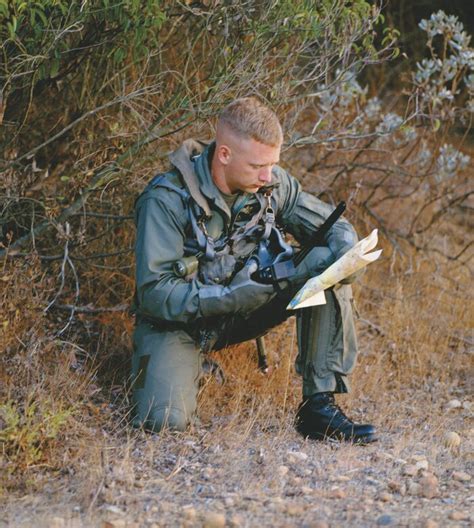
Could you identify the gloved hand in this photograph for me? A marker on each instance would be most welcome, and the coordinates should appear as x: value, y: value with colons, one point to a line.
x: 219, y: 270
x: 243, y: 295
x: 315, y: 262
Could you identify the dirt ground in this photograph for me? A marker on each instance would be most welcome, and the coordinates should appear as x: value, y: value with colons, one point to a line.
x: 259, y: 472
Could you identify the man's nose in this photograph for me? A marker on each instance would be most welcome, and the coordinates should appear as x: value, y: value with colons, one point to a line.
x: 265, y: 175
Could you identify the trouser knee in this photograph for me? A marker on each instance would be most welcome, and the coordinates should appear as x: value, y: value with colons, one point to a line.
x: 165, y: 372
x: 162, y: 418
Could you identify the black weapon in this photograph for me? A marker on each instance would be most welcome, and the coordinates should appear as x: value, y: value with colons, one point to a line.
x: 318, y: 238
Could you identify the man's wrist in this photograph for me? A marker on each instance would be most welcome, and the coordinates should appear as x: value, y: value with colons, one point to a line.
x: 212, y: 300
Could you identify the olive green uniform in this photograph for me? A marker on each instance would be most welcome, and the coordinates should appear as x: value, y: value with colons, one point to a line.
x: 173, y: 313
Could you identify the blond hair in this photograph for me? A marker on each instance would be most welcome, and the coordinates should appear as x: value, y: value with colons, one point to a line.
x: 250, y: 118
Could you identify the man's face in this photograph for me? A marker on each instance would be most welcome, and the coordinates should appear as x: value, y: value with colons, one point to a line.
x: 248, y: 164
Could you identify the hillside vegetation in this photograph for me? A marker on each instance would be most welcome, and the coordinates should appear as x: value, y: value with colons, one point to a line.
x: 93, y: 96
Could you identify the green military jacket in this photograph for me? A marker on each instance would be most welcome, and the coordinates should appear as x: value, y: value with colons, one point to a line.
x: 163, y: 227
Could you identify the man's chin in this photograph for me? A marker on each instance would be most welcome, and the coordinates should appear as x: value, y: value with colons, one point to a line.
x: 253, y: 188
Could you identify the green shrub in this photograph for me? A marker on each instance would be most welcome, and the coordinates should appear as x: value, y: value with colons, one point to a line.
x: 27, y: 432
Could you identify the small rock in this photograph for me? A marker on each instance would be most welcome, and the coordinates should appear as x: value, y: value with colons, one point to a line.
x: 448, y: 500
x: 306, y: 490
x: 385, y: 520
x: 282, y: 470
x: 116, y: 523
x: 459, y: 516
x: 453, y: 404
x: 385, y: 497
x: 429, y: 486
x: 113, y: 509
x: 414, y: 489
x: 297, y: 456
x: 410, y: 470
x: 429, y: 523
x: 461, y: 476
x: 319, y: 524
x: 189, y: 513
x: 57, y: 522
x: 398, y: 487
x: 452, y: 440
x: 295, y: 481
x: 422, y: 465
x: 342, y: 478
x: 294, y: 510
x: 467, y: 405
x: 207, y: 474
x: 337, y: 493
x: 400, y: 461
x: 236, y: 521
x: 229, y: 502
x: 213, y: 520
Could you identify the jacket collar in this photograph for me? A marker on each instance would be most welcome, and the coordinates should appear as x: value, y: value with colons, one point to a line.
x: 192, y: 159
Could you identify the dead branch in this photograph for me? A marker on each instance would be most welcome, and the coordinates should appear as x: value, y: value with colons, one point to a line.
x: 90, y: 309
x: 102, y: 177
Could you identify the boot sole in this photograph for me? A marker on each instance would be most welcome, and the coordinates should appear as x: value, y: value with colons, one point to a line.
x: 336, y: 439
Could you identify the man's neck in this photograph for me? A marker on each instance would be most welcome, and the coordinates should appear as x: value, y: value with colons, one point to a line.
x: 218, y: 176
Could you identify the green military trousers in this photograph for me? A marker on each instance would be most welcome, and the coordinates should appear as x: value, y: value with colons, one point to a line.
x: 166, y: 364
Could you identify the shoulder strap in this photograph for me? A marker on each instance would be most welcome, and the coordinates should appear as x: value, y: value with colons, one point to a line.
x: 160, y: 180
x: 204, y: 241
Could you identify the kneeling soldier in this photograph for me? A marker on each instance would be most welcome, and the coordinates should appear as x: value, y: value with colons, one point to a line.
x: 205, y: 231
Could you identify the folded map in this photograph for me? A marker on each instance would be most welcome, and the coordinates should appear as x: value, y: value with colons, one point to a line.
x: 312, y: 293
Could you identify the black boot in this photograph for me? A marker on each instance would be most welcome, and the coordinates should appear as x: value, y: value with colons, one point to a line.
x: 319, y: 418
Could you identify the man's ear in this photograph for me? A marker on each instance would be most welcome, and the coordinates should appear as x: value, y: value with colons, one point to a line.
x: 223, y: 154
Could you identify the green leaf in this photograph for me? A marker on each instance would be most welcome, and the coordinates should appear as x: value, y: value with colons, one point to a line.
x: 43, y: 17
x: 54, y: 69
x: 11, y: 30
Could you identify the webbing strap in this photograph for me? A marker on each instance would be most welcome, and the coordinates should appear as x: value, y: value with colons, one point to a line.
x: 160, y: 180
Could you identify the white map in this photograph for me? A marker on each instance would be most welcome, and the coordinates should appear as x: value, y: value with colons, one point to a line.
x: 312, y: 293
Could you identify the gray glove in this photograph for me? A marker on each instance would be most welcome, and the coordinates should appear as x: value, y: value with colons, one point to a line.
x: 219, y: 270
x: 315, y: 262
x: 243, y: 295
